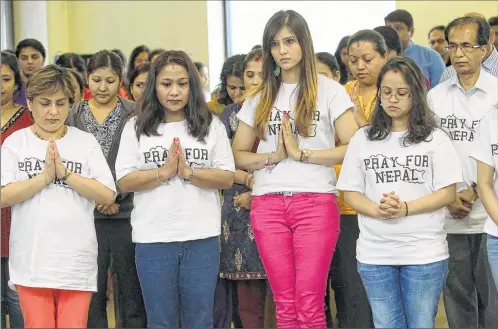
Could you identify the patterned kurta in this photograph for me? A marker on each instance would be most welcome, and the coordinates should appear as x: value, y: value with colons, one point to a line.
x: 239, y: 254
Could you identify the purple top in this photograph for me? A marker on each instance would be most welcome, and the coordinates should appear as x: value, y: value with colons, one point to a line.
x: 20, y: 96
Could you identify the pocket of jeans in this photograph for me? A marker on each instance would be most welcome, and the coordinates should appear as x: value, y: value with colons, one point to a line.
x: 319, y: 199
x: 257, y: 200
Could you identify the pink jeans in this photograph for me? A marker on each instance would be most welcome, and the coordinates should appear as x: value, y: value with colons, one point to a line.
x: 296, y: 237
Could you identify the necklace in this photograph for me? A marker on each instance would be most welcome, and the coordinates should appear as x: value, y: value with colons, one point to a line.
x: 63, y: 134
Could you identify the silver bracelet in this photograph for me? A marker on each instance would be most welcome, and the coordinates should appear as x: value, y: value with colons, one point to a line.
x: 159, y: 180
x: 190, y: 176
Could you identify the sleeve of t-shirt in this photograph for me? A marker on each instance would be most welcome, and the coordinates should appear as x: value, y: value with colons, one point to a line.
x: 248, y: 111
x: 446, y: 167
x: 99, y: 169
x: 339, y: 102
x: 352, y: 177
x: 221, y: 154
x: 127, y: 160
x: 437, y: 68
x: 482, y: 144
x: 225, y: 119
x: 10, y: 149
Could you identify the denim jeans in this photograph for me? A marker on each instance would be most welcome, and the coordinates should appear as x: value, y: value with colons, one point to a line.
x: 493, y: 256
x: 178, y: 281
x: 10, y: 300
x: 404, y: 296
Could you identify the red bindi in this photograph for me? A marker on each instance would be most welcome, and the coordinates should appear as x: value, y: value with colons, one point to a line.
x: 257, y: 59
x: 357, y: 45
x: 395, y: 71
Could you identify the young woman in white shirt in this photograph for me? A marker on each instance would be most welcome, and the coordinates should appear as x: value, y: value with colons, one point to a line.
x: 294, y: 215
x: 175, y: 155
x: 398, y: 174
x: 486, y: 154
x: 52, y: 175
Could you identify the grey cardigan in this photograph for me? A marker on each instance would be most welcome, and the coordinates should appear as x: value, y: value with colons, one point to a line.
x: 76, y: 119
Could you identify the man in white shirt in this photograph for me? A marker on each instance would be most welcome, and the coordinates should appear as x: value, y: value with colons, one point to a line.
x: 470, y: 295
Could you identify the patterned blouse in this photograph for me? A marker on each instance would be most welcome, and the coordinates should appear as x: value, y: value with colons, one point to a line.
x: 104, y: 133
x: 20, y: 120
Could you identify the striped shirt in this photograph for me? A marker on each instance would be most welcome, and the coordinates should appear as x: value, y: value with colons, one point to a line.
x: 490, y: 65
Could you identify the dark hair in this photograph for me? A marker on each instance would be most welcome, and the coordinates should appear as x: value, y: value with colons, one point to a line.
x: 10, y: 51
x: 33, y: 43
x: 151, y: 113
x: 493, y: 21
x: 435, y: 28
x: 142, y: 68
x: 11, y: 61
x: 256, y: 53
x: 156, y: 52
x: 134, y: 53
x: 422, y: 121
x: 79, y: 79
x: 233, y: 66
x: 329, y: 60
x: 121, y: 55
x: 482, y: 28
x: 374, y: 37
x: 106, y: 59
x: 256, y: 47
x: 199, y: 66
x: 391, y: 38
x: 72, y: 61
x: 402, y: 16
x: 49, y: 80
x: 342, y: 67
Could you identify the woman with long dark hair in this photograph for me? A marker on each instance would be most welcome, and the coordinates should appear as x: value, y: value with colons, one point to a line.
x: 399, y: 174
x: 294, y: 113
x: 341, y: 54
x: 139, y: 55
x: 137, y: 81
x: 104, y: 116
x: 175, y: 156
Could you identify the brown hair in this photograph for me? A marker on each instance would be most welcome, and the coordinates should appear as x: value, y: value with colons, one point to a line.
x: 48, y: 80
x: 308, y: 82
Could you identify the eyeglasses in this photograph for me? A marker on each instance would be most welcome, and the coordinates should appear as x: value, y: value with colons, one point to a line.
x: 466, y: 47
x: 401, y: 95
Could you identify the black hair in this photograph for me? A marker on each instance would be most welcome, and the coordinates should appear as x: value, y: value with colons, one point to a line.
x: 10, y: 51
x: 342, y: 67
x: 483, y: 30
x: 435, y: 28
x: 72, y: 61
x: 256, y: 47
x: 106, y: 58
x: 233, y: 66
x: 329, y: 60
x: 33, y: 43
x: 422, y: 121
x: 253, y: 54
x: 79, y: 78
x: 199, y: 66
x: 391, y: 38
x: 156, y: 52
x: 374, y: 37
x: 142, y: 68
x: 11, y: 61
x: 493, y: 21
x: 121, y: 55
x: 150, y: 112
x: 402, y: 16
x: 134, y: 53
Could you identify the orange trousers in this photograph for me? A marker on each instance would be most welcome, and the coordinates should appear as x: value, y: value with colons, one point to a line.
x: 54, y: 308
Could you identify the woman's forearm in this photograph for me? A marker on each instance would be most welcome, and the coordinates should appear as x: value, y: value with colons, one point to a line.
x: 91, y: 189
x: 361, y: 204
x: 489, y: 200
x: 253, y: 161
x: 241, y: 177
x: 329, y: 157
x: 19, y: 192
x: 433, y: 201
x: 216, y: 179
x: 141, y: 180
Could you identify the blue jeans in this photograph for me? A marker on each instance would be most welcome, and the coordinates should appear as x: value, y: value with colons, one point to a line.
x: 404, y: 296
x: 493, y: 256
x: 178, y: 281
x: 10, y: 300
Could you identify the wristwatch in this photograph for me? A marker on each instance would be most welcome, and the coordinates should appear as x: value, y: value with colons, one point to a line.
x: 305, y: 155
x: 190, y: 176
x: 474, y: 187
x: 67, y: 173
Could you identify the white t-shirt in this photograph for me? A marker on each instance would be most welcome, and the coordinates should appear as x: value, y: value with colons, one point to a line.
x: 294, y: 176
x: 52, y: 239
x: 376, y: 167
x: 179, y: 211
x: 486, y: 151
x: 459, y: 112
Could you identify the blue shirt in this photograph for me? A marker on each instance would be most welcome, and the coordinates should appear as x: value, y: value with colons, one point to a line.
x: 19, y: 96
x: 490, y: 65
x: 429, y: 61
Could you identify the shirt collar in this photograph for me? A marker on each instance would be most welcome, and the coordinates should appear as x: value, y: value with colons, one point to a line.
x: 483, y: 83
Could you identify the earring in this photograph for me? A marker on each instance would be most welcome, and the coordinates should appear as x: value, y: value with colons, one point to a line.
x: 277, y: 71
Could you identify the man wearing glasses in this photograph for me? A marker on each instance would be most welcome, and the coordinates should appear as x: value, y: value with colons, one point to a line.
x: 490, y: 60
x: 470, y: 296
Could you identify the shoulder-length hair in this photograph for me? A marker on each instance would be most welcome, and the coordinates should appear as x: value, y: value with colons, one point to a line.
x: 150, y: 113
x: 308, y: 81
x: 422, y: 121
x: 233, y: 66
x: 343, y: 68
x: 142, y: 68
